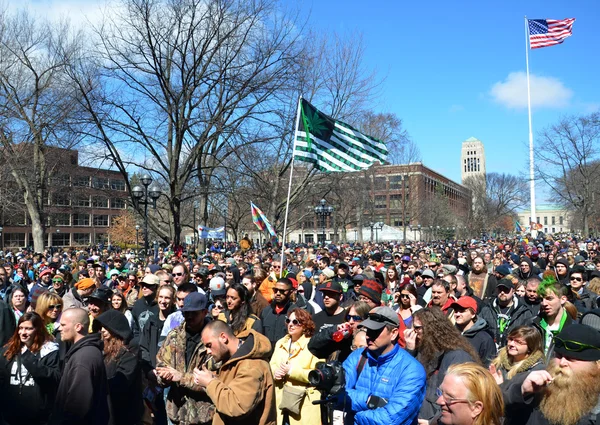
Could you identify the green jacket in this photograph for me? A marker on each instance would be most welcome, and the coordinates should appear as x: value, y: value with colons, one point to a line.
x: 187, y: 403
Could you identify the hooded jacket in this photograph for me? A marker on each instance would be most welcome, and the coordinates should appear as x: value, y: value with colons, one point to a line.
x: 482, y: 340
x: 244, y: 392
x: 28, y: 384
x: 533, y: 270
x: 82, y: 396
x: 518, y: 315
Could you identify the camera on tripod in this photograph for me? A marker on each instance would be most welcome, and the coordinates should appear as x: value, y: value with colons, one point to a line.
x: 328, y: 377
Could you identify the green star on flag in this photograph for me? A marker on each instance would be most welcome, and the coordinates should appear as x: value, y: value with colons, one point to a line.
x: 332, y: 145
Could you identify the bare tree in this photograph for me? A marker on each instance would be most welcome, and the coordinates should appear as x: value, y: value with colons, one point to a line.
x: 37, y: 108
x: 177, y: 86
x: 569, y: 162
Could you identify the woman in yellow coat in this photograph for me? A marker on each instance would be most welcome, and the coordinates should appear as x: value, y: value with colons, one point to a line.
x: 291, y: 362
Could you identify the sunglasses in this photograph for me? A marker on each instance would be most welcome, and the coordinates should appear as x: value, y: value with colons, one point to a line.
x: 218, y: 307
x: 280, y: 291
x: 294, y: 322
x: 404, y: 296
x: 177, y: 274
x: 276, y: 267
x: 376, y: 317
x: 351, y: 317
x: 577, y: 279
x: 572, y: 345
x: 55, y: 307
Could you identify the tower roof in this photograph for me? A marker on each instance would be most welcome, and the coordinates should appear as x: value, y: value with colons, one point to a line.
x: 472, y: 139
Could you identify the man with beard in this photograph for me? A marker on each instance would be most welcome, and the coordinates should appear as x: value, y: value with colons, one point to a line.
x: 568, y: 393
x: 273, y: 316
x: 333, y: 314
x: 532, y: 299
x: 482, y: 283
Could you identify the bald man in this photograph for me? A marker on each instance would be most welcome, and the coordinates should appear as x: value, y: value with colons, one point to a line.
x: 83, y: 389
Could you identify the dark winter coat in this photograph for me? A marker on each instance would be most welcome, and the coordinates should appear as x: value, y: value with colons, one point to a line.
x: 124, y: 376
x: 149, y: 341
x: 7, y: 323
x: 518, y: 315
x: 274, y: 326
x: 142, y: 310
x: 482, y: 340
x: 82, y: 395
x: 28, y: 396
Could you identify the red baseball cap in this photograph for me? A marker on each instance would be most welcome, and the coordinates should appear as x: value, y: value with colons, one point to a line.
x: 466, y: 302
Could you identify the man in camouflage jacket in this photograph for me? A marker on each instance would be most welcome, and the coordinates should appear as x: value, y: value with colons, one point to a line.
x: 181, y: 352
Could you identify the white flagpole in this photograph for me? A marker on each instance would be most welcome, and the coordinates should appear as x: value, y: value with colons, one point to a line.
x: 287, y: 203
x: 531, y: 166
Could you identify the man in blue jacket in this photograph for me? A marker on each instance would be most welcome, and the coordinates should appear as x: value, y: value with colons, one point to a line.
x: 384, y: 383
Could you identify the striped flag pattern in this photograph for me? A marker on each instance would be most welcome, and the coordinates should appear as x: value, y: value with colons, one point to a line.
x: 260, y: 220
x: 332, y: 145
x: 548, y: 32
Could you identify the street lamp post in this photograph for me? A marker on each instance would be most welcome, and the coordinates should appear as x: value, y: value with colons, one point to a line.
x: 322, y: 211
x: 378, y: 226
x: 194, y: 240
x: 143, y: 196
x: 137, y: 240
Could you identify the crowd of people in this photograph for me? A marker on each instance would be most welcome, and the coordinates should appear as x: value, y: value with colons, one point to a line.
x: 483, y: 332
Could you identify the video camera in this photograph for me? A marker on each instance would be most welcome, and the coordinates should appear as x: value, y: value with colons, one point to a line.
x: 328, y: 377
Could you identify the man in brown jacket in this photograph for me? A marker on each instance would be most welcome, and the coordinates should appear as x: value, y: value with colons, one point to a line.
x: 243, y: 389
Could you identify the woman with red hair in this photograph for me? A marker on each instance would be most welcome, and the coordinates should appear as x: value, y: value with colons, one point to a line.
x: 29, y: 373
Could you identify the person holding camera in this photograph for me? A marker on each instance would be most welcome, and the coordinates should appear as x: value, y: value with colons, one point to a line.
x: 384, y: 383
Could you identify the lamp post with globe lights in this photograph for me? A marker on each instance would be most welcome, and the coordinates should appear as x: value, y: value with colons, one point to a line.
x: 322, y: 211
x: 143, y: 196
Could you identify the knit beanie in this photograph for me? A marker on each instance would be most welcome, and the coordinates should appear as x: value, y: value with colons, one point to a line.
x: 372, y: 290
x: 116, y: 323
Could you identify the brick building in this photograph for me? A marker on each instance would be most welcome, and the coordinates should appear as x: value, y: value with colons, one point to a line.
x: 79, y: 206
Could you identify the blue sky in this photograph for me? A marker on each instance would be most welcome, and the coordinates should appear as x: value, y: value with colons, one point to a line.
x: 448, y: 69
x: 453, y: 70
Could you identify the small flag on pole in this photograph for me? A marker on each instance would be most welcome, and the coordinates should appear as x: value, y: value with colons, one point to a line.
x: 332, y: 145
x: 548, y: 32
x: 518, y: 227
x: 260, y: 220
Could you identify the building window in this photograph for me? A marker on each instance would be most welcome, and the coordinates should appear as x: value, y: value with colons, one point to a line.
x: 309, y: 238
x: 61, y: 199
x: 553, y: 221
x: 560, y: 220
x: 13, y: 240
x: 60, y: 180
x: 81, y: 219
x: 61, y: 239
x: 82, y: 201
x: 99, y: 202
x: 545, y: 220
x: 59, y: 219
x: 395, y: 201
x: 101, y: 220
x: 81, y: 239
x: 309, y: 224
x: 81, y: 181
x: 101, y: 238
x: 398, y: 222
x: 100, y: 183
x: 118, y: 203
x: 117, y: 185
x: 380, y: 202
x: 379, y: 183
x: 396, y: 182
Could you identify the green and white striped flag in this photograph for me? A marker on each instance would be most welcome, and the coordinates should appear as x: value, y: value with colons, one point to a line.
x: 332, y: 145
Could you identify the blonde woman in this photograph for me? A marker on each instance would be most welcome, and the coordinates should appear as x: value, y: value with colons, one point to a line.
x: 49, y: 306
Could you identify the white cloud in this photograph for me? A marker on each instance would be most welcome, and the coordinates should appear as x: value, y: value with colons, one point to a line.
x: 546, y: 92
x: 79, y: 13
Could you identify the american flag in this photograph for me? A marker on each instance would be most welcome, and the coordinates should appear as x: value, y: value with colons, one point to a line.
x: 548, y: 32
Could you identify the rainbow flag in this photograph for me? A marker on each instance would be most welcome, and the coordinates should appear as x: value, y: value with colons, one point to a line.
x: 260, y: 220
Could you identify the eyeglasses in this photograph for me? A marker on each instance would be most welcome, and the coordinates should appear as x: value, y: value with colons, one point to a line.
x: 450, y: 400
x: 280, y: 291
x: 572, y: 345
x: 55, y: 307
x: 294, y: 322
x: 351, y: 317
x: 577, y: 279
x: 177, y: 274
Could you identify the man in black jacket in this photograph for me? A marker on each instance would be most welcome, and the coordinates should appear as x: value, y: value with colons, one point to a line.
x: 146, y: 306
x: 505, y: 312
x: 568, y: 392
x: 82, y: 395
x: 273, y: 317
x: 7, y: 323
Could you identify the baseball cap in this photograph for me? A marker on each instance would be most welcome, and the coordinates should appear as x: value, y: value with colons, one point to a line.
x: 332, y: 287
x: 502, y: 269
x: 151, y: 279
x: 507, y: 283
x: 577, y: 341
x: 217, y: 286
x: 428, y: 273
x: 195, y: 301
x: 86, y: 283
x: 328, y: 272
x: 466, y: 302
x: 379, y: 317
